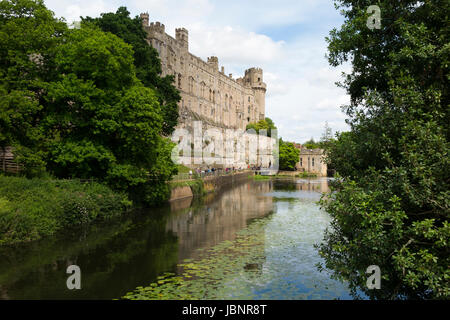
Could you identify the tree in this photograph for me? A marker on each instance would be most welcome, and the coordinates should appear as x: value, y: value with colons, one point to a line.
x: 327, y: 136
x: 71, y: 104
x: 28, y: 35
x: 288, y: 155
x: 311, y: 144
x: 391, y: 205
x: 265, y: 124
x: 146, y: 61
x: 106, y: 124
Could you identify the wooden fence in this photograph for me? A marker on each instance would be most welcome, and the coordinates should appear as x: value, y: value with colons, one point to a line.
x: 7, y: 162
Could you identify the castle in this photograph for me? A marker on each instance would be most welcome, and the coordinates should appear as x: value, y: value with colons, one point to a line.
x: 210, y: 94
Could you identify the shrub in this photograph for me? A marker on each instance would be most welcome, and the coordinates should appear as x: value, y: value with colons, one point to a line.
x: 34, y: 208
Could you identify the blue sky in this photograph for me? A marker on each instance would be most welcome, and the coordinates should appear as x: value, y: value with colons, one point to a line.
x: 286, y: 38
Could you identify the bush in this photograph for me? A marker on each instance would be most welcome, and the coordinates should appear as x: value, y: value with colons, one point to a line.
x: 34, y: 208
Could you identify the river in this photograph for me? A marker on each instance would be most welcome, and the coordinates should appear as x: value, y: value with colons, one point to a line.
x: 253, y: 240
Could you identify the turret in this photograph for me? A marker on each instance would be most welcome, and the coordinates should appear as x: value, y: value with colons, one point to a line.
x: 145, y: 19
x: 182, y: 36
x: 214, y: 62
x: 254, y: 78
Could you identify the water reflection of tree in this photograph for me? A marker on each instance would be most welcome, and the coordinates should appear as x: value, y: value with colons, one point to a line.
x: 113, y: 258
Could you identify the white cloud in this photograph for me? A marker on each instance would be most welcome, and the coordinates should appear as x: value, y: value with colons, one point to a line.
x: 234, y: 45
x: 72, y: 10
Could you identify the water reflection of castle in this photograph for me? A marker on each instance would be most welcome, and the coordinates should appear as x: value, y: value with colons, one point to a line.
x: 318, y: 185
x: 220, y: 218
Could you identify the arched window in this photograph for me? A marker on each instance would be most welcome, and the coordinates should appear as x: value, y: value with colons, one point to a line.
x: 203, y: 87
x: 191, y: 85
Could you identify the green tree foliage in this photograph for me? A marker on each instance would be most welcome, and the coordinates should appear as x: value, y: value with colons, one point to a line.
x: 266, y: 124
x: 81, y: 112
x: 146, y: 60
x: 311, y: 144
x: 28, y: 35
x: 288, y: 155
x: 391, y: 207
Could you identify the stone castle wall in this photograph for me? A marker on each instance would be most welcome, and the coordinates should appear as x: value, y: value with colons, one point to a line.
x: 206, y: 90
x: 210, y: 96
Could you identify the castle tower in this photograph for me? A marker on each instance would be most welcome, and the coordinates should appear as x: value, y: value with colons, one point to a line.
x: 214, y: 62
x: 182, y: 36
x: 145, y: 19
x: 254, y: 79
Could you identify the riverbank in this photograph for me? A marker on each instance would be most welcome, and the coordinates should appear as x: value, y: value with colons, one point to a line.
x: 203, y: 185
x: 285, y: 174
x: 31, y: 209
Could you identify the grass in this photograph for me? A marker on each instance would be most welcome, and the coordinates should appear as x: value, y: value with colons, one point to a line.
x: 195, y: 185
x: 306, y: 175
x: 300, y: 175
x: 259, y: 177
x: 34, y: 208
x: 183, y: 169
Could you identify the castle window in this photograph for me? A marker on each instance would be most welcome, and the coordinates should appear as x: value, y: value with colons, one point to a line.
x: 313, y: 162
x: 248, y: 99
x: 191, y: 85
x: 179, y: 80
x: 301, y: 162
x: 203, y: 93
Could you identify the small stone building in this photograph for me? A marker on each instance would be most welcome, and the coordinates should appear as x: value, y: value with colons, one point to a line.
x: 312, y: 161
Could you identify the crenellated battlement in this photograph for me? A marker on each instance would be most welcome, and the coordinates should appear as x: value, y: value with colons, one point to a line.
x: 254, y: 78
x: 254, y: 70
x: 145, y: 19
x: 158, y: 27
x: 214, y: 62
x: 182, y: 36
